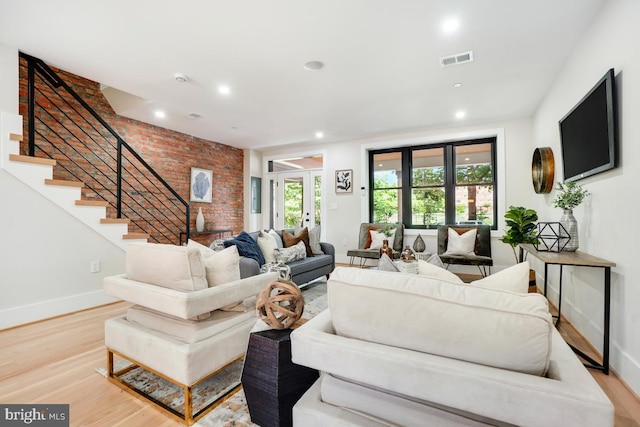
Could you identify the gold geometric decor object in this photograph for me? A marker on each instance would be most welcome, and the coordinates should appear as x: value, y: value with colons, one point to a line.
x: 280, y: 304
x: 542, y: 170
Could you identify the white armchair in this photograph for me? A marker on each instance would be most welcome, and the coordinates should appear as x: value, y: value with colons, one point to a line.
x: 180, y: 328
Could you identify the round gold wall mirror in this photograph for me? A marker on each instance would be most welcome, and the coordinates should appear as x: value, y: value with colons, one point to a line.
x: 542, y: 170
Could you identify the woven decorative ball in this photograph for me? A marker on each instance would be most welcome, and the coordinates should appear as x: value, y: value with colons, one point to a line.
x: 280, y: 304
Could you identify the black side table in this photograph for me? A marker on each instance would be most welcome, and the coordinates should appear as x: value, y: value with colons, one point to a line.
x: 272, y: 383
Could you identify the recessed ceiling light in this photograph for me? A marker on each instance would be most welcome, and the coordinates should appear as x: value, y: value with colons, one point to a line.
x: 450, y: 25
x: 313, y: 66
x: 224, y: 89
x: 457, y: 85
x: 319, y: 135
x: 460, y: 114
x: 379, y: 164
x: 160, y: 114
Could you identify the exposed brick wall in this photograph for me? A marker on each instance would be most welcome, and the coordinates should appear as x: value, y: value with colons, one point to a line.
x: 171, y: 154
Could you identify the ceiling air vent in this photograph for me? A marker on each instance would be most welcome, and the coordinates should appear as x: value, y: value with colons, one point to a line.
x: 194, y: 116
x: 457, y: 59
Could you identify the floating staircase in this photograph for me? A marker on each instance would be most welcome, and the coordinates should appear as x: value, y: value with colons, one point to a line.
x: 37, y: 173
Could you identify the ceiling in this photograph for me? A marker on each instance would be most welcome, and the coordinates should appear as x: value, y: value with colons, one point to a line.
x: 381, y: 75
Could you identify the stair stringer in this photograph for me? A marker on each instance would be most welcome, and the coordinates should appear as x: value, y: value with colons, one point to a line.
x: 34, y: 175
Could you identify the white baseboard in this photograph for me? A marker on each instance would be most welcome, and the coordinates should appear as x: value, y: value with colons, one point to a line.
x: 16, y: 316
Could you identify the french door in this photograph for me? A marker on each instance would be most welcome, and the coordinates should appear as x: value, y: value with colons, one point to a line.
x: 296, y: 199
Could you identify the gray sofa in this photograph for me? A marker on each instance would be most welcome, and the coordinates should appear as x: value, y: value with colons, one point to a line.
x: 302, y: 271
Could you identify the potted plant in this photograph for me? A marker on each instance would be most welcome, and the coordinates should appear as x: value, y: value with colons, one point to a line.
x: 568, y: 196
x: 521, y: 228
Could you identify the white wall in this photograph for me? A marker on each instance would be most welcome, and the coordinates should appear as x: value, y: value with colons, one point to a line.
x: 45, y: 257
x: 346, y: 211
x: 8, y: 79
x: 252, y: 167
x: 607, y: 220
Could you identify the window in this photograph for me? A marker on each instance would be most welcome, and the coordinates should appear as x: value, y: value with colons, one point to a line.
x: 423, y: 186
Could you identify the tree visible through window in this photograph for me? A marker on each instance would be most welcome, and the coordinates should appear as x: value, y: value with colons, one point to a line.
x: 424, y: 186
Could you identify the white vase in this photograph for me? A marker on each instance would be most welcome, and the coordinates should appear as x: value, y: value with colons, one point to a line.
x: 570, y: 224
x: 200, y: 221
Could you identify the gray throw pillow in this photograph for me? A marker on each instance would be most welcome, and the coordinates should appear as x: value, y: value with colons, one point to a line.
x: 435, y: 260
x: 386, y: 264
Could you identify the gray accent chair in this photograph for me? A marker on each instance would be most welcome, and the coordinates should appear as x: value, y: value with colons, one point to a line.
x: 482, y: 258
x: 365, y: 254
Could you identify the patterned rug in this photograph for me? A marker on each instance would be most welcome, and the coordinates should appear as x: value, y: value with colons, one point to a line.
x: 233, y: 412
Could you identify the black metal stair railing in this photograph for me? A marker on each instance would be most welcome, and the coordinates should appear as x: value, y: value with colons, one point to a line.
x: 62, y: 126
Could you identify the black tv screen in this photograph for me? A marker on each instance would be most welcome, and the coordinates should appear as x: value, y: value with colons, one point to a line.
x: 589, y: 132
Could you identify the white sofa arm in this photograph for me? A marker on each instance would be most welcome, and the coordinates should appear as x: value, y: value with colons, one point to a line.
x: 182, y: 304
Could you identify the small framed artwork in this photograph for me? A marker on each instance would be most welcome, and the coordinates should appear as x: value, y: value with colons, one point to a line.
x: 201, y: 185
x: 256, y: 195
x: 344, y: 178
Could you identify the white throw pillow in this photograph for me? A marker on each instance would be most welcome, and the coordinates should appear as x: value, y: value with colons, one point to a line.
x: 267, y: 244
x: 292, y: 253
x: 425, y: 268
x: 223, y: 267
x: 377, y: 237
x: 276, y: 236
x: 461, y: 244
x: 514, y: 279
x: 204, y: 250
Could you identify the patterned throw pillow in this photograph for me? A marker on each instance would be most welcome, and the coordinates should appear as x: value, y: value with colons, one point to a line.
x: 291, y: 240
x: 290, y: 254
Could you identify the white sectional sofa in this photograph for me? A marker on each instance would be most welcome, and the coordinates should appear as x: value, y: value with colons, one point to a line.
x: 398, y: 349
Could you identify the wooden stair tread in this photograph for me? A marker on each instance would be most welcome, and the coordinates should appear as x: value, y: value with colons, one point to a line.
x: 34, y: 160
x: 114, y: 221
x: 15, y: 137
x: 92, y: 203
x: 64, y: 183
x: 132, y: 236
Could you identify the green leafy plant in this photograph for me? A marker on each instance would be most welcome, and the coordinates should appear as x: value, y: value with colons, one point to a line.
x: 386, y: 230
x: 521, y: 223
x: 569, y: 195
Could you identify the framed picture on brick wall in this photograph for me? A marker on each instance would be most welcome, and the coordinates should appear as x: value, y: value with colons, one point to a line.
x: 201, y: 188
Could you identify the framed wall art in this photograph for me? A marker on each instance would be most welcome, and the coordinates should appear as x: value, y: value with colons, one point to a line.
x: 256, y: 195
x: 344, y: 181
x: 201, y: 185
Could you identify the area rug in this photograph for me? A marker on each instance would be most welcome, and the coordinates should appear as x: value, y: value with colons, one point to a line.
x: 233, y: 412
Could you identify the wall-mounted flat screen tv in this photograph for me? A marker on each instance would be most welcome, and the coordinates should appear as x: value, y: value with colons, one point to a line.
x: 589, y: 132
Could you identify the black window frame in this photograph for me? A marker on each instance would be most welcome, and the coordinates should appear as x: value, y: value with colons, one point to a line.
x: 449, y: 182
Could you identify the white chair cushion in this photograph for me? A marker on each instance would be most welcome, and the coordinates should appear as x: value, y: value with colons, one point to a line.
x: 169, y: 266
x: 189, y: 331
x: 514, y: 279
x: 495, y: 328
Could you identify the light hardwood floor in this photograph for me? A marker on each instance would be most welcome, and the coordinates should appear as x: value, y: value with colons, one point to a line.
x: 54, y: 361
